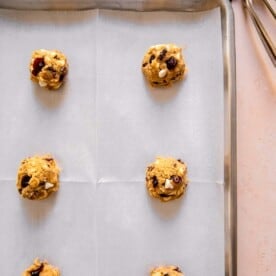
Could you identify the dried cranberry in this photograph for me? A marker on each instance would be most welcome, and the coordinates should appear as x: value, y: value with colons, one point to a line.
x: 37, y: 271
x: 177, y: 269
x: 152, y: 57
x: 25, y: 181
x: 48, y: 158
x: 164, y: 195
x: 176, y: 179
x: 162, y: 54
x: 145, y: 64
x: 61, y: 77
x: 154, y: 181
x: 38, y: 65
x: 171, y: 63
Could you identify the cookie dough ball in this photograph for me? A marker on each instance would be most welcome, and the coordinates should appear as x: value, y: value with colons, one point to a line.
x: 48, y: 68
x: 166, y: 178
x: 38, y: 177
x: 170, y: 270
x: 163, y: 65
x: 39, y: 268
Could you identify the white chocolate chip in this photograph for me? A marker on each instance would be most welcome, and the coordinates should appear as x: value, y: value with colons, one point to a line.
x: 168, y: 184
x: 162, y: 73
x: 42, y: 83
x: 48, y: 185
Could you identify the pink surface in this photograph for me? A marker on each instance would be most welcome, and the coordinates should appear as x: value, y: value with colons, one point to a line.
x: 256, y: 134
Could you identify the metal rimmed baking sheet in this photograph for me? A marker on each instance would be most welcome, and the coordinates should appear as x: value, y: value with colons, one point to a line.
x: 106, y: 125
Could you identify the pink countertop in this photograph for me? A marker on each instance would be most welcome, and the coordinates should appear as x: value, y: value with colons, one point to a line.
x: 256, y: 137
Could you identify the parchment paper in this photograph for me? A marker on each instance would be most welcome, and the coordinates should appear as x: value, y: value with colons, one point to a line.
x: 104, y: 126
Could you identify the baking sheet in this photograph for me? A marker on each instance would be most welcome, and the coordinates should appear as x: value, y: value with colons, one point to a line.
x: 104, y: 126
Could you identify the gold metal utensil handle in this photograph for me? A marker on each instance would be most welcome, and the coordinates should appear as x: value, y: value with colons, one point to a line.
x: 264, y: 36
x: 270, y: 8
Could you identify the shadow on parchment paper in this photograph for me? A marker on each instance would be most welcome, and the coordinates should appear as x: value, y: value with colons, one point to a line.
x: 37, y: 210
x: 50, y: 99
x: 164, y: 95
x: 167, y: 210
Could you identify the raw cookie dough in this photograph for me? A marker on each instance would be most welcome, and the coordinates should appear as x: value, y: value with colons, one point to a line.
x: 163, y: 64
x: 38, y: 177
x: 39, y: 268
x: 48, y: 68
x: 166, y: 178
x: 170, y: 270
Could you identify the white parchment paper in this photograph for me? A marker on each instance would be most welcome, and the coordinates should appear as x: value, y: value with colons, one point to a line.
x: 104, y: 126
